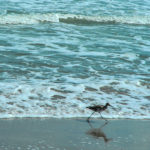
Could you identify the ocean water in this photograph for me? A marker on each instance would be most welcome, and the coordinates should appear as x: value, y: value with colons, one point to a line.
x: 58, y: 57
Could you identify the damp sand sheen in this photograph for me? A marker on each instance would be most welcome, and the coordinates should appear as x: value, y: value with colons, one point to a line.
x: 72, y: 134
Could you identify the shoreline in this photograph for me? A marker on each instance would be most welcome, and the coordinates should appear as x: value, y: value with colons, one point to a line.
x: 73, y: 118
x: 74, y: 134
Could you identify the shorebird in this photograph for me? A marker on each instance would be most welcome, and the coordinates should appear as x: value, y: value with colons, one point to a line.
x: 99, y: 109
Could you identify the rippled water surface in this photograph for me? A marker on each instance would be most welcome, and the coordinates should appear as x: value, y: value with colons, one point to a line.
x: 58, y: 57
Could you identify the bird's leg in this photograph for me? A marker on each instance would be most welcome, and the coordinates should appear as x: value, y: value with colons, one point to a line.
x: 88, y: 119
x: 102, y: 116
x: 104, y: 125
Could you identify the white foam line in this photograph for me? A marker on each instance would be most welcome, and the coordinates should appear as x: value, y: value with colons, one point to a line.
x: 71, y: 18
x: 9, y: 116
x: 28, y: 18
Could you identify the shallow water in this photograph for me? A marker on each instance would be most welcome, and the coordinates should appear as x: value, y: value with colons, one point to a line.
x: 58, y: 57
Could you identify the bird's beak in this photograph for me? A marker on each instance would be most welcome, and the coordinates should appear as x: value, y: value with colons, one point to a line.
x: 113, y: 107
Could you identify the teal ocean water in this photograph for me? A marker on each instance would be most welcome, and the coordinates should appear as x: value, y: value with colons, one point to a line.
x: 58, y: 57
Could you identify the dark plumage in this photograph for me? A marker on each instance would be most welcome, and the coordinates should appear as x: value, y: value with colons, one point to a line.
x: 97, y: 108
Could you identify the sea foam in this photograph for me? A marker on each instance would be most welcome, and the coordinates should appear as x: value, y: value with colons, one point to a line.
x: 130, y: 99
x: 71, y: 18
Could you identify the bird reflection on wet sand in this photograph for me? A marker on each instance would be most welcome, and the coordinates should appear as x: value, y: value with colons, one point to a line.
x: 98, y: 133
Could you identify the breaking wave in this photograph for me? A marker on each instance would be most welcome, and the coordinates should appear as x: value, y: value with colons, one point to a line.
x: 72, y: 19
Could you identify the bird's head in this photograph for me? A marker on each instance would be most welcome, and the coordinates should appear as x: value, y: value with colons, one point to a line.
x: 107, y: 104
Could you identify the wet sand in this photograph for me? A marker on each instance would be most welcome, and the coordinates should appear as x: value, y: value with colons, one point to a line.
x: 74, y: 134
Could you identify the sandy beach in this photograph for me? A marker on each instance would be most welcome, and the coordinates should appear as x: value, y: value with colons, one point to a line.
x: 74, y: 134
